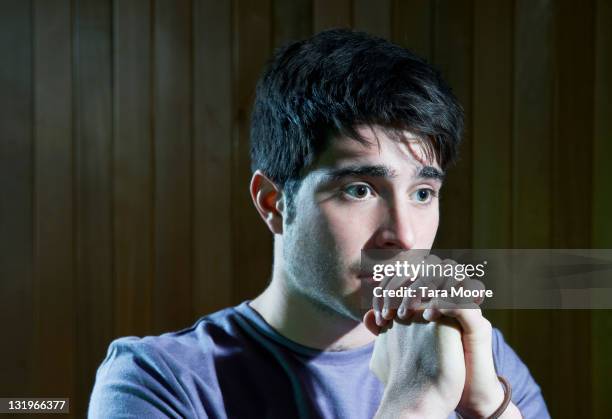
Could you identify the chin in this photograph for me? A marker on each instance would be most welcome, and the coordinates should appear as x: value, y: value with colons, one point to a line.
x: 353, y: 306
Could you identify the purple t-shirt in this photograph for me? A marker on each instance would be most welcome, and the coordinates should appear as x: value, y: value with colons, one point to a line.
x: 232, y: 364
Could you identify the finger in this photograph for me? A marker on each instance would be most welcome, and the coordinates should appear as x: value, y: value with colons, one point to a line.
x: 470, y: 319
x: 433, y: 308
x: 378, y: 302
x: 370, y: 322
x: 391, y: 304
x: 476, y: 287
x: 387, y: 306
x: 410, y: 302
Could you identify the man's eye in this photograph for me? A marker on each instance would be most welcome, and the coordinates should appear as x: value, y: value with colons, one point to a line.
x: 423, y: 195
x: 358, y: 191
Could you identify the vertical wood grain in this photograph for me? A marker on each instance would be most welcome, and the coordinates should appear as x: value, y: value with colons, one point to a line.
x: 531, y: 171
x: 452, y: 55
x: 173, y: 164
x: 251, y: 239
x: 572, y: 148
x: 213, y: 285
x: 16, y: 203
x: 291, y: 20
x: 492, y: 123
x: 132, y: 167
x: 533, y: 109
x: 412, y: 26
x: 602, y: 148
x: 492, y: 133
x: 571, y: 192
x: 54, y: 214
x: 373, y: 17
x: 329, y: 14
x: 601, y: 236
x: 93, y: 141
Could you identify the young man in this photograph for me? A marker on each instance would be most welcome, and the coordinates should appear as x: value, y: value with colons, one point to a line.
x: 350, y: 139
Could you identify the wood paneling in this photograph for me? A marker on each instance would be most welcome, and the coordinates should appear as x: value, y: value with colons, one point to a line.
x: 16, y: 204
x: 373, y: 17
x: 132, y: 167
x: 53, y: 199
x: 412, y: 26
x: 251, y: 239
x: 492, y: 133
x: 93, y: 130
x: 213, y: 264
x: 531, y: 171
x: 601, y: 231
x: 571, y: 190
x: 291, y: 20
x: 124, y: 166
x: 172, y: 131
x: 492, y: 123
x: 332, y: 14
x: 452, y: 55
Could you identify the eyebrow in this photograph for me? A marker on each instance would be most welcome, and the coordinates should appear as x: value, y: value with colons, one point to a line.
x: 381, y: 171
x: 430, y: 172
x: 370, y: 171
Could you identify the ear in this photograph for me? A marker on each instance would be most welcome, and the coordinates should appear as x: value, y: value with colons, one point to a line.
x: 268, y: 200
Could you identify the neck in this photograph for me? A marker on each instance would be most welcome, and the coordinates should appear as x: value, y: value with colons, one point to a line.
x: 298, y: 318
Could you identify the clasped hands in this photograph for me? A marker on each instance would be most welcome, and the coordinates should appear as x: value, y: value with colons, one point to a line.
x: 434, y: 356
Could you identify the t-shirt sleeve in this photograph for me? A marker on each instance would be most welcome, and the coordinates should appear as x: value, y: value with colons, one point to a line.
x: 134, y: 381
x: 526, y: 393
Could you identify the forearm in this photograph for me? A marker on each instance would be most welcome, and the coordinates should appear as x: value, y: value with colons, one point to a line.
x: 511, y: 412
x: 396, y: 404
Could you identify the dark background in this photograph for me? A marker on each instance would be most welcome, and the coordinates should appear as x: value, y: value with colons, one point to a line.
x: 124, y: 167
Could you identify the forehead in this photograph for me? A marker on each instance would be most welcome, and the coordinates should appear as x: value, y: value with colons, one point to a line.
x: 401, y: 151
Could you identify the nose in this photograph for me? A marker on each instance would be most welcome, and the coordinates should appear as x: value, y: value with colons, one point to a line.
x: 397, y: 230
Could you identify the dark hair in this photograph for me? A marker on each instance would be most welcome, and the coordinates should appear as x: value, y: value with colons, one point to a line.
x: 317, y: 88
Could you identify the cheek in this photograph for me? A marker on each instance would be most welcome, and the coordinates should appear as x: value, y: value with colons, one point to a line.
x: 350, y: 228
x: 428, y: 227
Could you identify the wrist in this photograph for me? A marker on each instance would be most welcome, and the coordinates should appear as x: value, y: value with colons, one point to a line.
x: 484, y: 405
x: 401, y: 405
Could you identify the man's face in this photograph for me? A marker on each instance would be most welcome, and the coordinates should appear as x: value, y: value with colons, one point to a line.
x: 358, y: 196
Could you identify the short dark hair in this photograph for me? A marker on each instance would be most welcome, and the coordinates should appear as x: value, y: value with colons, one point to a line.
x: 327, y: 85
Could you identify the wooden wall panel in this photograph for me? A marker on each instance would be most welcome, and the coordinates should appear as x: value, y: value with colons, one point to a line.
x: 452, y: 55
x: 571, y: 191
x: 373, y: 17
x: 93, y: 140
x: 492, y: 123
x: 532, y: 117
x: 213, y: 283
x: 492, y: 133
x: 531, y: 171
x: 601, y: 233
x: 53, y: 199
x: 291, y: 20
x: 251, y: 239
x: 412, y: 26
x: 172, y: 99
x: 16, y: 204
x: 601, y: 229
x: 329, y: 14
x: 573, y: 125
x: 132, y: 167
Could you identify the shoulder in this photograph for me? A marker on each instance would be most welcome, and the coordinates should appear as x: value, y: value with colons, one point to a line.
x: 526, y: 393
x: 158, y: 376
x: 134, y: 380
